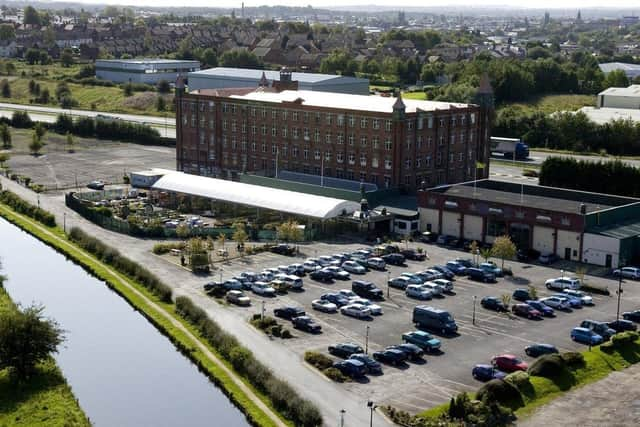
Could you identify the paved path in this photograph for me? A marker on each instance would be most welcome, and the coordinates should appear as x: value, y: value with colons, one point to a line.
x: 328, y: 396
x: 612, y: 401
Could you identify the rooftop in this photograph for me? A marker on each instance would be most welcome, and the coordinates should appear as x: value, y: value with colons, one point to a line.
x: 632, y: 91
x: 534, y: 196
x: 275, y: 199
x: 254, y: 74
x: 604, y: 115
x: 146, y: 61
x: 611, y: 66
x: 379, y: 104
x: 619, y: 231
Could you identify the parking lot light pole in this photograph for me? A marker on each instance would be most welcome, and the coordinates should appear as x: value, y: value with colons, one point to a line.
x: 372, y: 407
x: 474, y: 309
x: 620, y: 265
x: 262, y: 312
x: 342, y: 411
x: 366, y: 341
x: 64, y: 222
x: 388, y: 280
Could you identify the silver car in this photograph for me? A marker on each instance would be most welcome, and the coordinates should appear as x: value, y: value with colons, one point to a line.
x: 586, y: 299
x: 356, y: 310
x: 447, y: 285
x: 353, y: 267
x: 434, y: 288
x: 556, y: 302
x: 376, y: 310
x: 325, y: 306
x: 628, y: 272
x: 418, y: 291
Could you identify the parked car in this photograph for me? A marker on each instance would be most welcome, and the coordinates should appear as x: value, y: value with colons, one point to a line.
x: 521, y: 295
x: 391, y: 356
x: 321, y: 276
x: 375, y: 309
x: 634, y: 316
x: 324, y: 305
x: 491, y: 268
x: 573, y: 301
x: 367, y: 290
x: 336, y: 298
x: 399, y: 282
x: 628, y: 272
x: 432, y: 274
x: 556, y: 302
x: 443, y: 239
x: 345, y: 349
x: 353, y: 267
x: 493, y: 303
x: 536, y: 350
x: 486, y: 373
x: 96, y: 185
x: 547, y: 258
x: 358, y: 311
x: 306, y: 323
x: 465, y: 262
x: 372, y: 366
x: 310, y: 266
x: 446, y: 273
x: 338, y: 273
x: 422, y: 339
x: 436, y: 290
x: 584, y: 298
x: 289, y: 312
x: 621, y: 325
x: 586, y: 336
x: 292, y: 280
x: 522, y: 255
x: 238, y: 298
x: 509, y: 363
x: 351, y: 368
x: 348, y: 293
x: 434, y: 319
x: 283, y: 249
x: 526, y: 310
x: 376, y: 263
x: 418, y: 291
x: 325, y: 260
x: 413, y: 278
x: 561, y: 283
x: 541, y: 307
x: 214, y: 289
x: 480, y: 275
x: 394, y: 259
x: 297, y: 269
x: 456, y: 267
x: 412, y: 351
x: 413, y: 255
x: 600, y: 328
x: 446, y: 285
x: 263, y: 288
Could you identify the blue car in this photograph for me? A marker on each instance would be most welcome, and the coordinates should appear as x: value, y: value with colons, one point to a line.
x: 456, y: 267
x: 335, y: 298
x: 586, y: 336
x: 542, y: 308
x: 486, y: 373
x: 448, y: 274
x: 574, y: 302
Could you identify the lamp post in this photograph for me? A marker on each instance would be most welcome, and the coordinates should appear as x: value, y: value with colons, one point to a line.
x: 388, y: 280
x: 620, y: 265
x: 64, y: 222
x: 475, y: 298
x: 366, y: 341
x: 372, y: 407
x: 262, y: 312
x: 342, y: 411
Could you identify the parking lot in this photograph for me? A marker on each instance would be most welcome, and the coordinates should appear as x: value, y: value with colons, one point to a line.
x: 416, y: 386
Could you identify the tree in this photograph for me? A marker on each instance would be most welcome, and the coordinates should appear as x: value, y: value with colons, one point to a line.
x: 183, y: 230
x: 5, y: 88
x: 164, y: 86
x: 616, y: 78
x: 32, y: 56
x: 222, y: 238
x: 506, y: 300
x: 533, y: 292
x: 66, y: 59
x: 503, y: 248
x: 161, y: 105
x: 5, y: 135
x: 70, y: 142
x: 7, y: 32
x: 127, y: 88
x: 36, y: 144
x: 240, y: 59
x: 31, y: 16
x: 290, y: 231
x: 485, y: 254
x: 240, y: 234
x: 209, y: 57
x: 4, y: 157
x: 39, y: 130
x: 339, y: 62
x: 26, y: 338
x: 10, y: 68
x: 473, y: 250
x: 198, y: 258
x: 44, y: 96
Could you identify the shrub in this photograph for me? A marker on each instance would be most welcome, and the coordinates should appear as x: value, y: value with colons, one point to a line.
x: 498, y: 391
x: 573, y: 359
x: 334, y: 374
x: 21, y: 119
x: 286, y: 334
x: 621, y: 340
x: 163, y: 248
x: 22, y: 206
x: 275, y: 330
x: 263, y: 324
x: 318, y: 360
x: 549, y: 366
x: 596, y: 289
x: 238, y: 356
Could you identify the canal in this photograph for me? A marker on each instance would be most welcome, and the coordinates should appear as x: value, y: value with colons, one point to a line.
x: 122, y: 370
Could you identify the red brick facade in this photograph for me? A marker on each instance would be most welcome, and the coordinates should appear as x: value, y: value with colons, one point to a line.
x: 219, y: 136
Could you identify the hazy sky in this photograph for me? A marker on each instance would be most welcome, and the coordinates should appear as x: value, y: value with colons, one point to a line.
x: 564, y: 4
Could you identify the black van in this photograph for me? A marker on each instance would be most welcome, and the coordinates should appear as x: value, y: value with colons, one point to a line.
x: 434, y: 319
x: 480, y: 275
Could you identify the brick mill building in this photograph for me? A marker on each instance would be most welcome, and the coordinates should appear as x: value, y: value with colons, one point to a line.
x: 391, y: 142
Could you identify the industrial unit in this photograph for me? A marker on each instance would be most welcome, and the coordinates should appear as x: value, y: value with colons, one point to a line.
x: 149, y: 71
x: 575, y: 225
x: 620, y: 97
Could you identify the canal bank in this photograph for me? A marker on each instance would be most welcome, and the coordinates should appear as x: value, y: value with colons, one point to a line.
x: 164, y: 318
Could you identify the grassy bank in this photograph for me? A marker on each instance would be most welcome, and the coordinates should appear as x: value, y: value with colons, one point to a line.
x: 548, y: 104
x: 161, y: 314
x: 44, y: 399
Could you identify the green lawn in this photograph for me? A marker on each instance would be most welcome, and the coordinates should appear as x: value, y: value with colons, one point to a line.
x: 420, y: 96
x: 45, y: 399
x: 551, y: 103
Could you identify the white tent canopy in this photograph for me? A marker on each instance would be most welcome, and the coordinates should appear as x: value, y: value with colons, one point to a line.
x: 292, y: 202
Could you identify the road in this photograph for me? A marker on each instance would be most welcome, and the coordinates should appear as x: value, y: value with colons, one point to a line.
x: 537, y: 157
x: 165, y: 125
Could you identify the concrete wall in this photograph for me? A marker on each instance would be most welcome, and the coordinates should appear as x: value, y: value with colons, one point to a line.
x: 597, y: 247
x: 125, y: 77
x: 429, y: 216
x: 613, y: 101
x: 543, y: 239
x: 451, y: 224
x: 473, y: 227
x: 568, y: 239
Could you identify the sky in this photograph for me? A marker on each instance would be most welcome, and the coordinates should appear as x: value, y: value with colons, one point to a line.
x: 551, y: 4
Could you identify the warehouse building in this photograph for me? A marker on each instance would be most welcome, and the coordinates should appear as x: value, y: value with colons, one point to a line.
x: 575, y: 225
x: 149, y: 71
x: 630, y: 70
x: 620, y: 97
x: 222, y: 78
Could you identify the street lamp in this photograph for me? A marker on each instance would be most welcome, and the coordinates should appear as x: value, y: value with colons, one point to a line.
x: 388, y: 280
x: 372, y: 407
x: 620, y: 265
x: 342, y: 411
x: 366, y: 341
x: 64, y: 222
x: 475, y: 298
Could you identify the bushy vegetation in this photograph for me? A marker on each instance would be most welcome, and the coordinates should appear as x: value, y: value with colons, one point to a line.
x: 611, y: 177
x: 121, y: 263
x: 284, y: 398
x: 107, y: 129
x: 19, y: 205
x: 163, y: 248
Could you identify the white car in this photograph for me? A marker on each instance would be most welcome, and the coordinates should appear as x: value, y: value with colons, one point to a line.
x: 262, y: 288
x: 310, y: 266
x: 561, y: 283
x: 447, y: 285
x: 413, y: 278
x: 353, y: 267
x: 585, y: 298
x: 376, y: 310
x: 435, y: 274
x: 266, y: 276
x: 348, y: 293
x: 434, y: 288
x: 322, y: 305
x: 628, y: 272
x: 292, y: 280
x: 297, y: 269
x: 325, y: 260
x: 338, y: 273
x: 556, y: 302
x: 418, y: 291
x: 377, y: 263
x: 356, y: 310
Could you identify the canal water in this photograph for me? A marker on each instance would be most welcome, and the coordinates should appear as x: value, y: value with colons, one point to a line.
x: 123, y: 371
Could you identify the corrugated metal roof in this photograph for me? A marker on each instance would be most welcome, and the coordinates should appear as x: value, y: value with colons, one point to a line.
x: 623, y: 230
x: 253, y: 74
x: 254, y: 195
x: 605, y: 114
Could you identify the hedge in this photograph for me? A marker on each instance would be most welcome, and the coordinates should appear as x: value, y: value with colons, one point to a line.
x: 283, y: 397
x: 121, y: 263
x: 107, y: 129
x: 26, y: 208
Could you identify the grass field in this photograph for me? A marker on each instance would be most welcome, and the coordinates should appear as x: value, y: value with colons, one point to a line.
x: 45, y: 399
x: 420, y: 96
x: 551, y: 103
x: 108, y: 99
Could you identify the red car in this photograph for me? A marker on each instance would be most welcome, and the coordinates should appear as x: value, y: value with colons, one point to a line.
x: 526, y: 310
x: 509, y: 363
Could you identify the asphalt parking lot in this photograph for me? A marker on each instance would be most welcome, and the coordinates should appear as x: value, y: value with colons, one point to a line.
x: 416, y: 386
